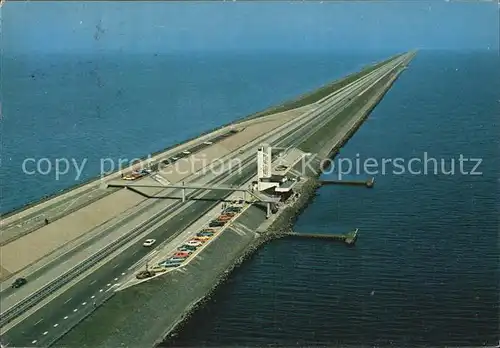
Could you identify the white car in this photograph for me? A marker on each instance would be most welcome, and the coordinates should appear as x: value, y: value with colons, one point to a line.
x: 149, y: 242
x: 194, y: 243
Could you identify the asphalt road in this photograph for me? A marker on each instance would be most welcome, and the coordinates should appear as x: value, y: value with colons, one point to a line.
x: 61, y: 311
x: 47, y: 324
x: 60, y: 209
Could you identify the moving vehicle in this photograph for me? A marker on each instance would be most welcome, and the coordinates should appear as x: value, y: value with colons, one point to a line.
x: 149, y: 242
x: 19, y: 282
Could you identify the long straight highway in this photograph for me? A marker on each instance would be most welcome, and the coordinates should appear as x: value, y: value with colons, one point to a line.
x: 83, y: 294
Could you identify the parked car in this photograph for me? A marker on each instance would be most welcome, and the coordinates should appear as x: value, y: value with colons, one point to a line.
x: 171, y: 264
x: 186, y: 247
x: 204, y: 234
x: 19, y: 282
x: 211, y: 230
x: 149, y: 242
x: 216, y: 223
x: 194, y: 243
x: 176, y: 259
x: 224, y: 218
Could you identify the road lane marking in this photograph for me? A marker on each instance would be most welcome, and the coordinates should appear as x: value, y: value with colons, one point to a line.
x: 46, y: 332
x: 39, y: 321
x: 66, y: 317
x: 116, y: 265
x: 69, y: 299
x: 56, y: 325
x: 92, y: 282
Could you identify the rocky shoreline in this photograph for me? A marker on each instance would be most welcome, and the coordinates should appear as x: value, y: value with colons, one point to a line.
x: 282, y: 224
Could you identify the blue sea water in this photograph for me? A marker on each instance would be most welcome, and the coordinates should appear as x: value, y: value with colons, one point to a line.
x: 425, y: 270
x: 88, y: 108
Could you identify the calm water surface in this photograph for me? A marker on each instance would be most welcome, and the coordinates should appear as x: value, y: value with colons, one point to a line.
x: 425, y: 269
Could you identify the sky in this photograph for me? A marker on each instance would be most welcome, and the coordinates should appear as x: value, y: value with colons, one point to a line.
x: 86, y: 27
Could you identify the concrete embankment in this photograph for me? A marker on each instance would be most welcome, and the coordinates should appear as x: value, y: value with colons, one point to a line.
x: 285, y: 219
x: 144, y: 315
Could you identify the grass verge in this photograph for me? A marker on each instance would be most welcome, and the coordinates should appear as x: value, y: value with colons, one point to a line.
x: 313, y: 145
x: 319, y: 93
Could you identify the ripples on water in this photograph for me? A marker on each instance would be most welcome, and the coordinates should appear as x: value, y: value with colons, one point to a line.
x: 100, y: 106
x: 425, y: 269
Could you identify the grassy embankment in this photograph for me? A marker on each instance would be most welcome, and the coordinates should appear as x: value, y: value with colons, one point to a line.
x: 305, y: 99
x: 321, y: 137
x: 319, y: 93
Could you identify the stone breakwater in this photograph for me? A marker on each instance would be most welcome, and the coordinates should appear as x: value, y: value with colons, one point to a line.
x: 282, y: 224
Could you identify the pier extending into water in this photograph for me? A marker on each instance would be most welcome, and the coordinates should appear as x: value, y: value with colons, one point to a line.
x: 368, y: 183
x: 348, y: 238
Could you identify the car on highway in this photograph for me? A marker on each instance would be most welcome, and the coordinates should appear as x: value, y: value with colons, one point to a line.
x: 19, y: 282
x: 149, y: 242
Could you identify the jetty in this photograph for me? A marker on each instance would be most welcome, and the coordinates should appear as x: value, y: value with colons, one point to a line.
x: 368, y: 183
x: 348, y: 238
